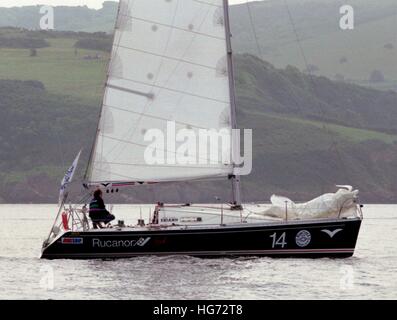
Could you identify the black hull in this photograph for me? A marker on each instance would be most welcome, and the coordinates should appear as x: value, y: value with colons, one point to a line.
x: 332, y: 238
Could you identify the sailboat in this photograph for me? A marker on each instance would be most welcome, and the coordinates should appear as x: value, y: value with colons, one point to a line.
x: 172, y: 61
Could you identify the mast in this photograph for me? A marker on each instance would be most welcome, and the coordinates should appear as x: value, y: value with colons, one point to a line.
x: 236, y: 187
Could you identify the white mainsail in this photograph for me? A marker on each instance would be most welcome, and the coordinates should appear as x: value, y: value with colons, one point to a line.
x: 169, y: 63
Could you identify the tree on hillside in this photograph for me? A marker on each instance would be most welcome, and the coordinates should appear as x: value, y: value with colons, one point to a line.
x: 311, y: 68
x: 339, y: 77
x: 376, y: 76
x: 33, y: 52
x: 95, y: 44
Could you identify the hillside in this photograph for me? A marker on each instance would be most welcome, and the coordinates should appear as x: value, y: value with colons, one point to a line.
x: 311, y: 34
x: 351, y: 55
x: 309, y: 133
x: 67, y: 18
x: 300, y: 155
x: 37, y: 129
x: 262, y: 87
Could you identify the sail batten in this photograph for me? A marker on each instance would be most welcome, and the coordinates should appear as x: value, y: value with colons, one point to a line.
x: 207, y: 160
x: 187, y: 124
x: 168, y: 64
x: 147, y: 95
x: 175, y: 27
x: 152, y: 86
x: 166, y: 57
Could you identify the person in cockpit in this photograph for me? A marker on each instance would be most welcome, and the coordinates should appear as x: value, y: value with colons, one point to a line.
x: 98, y: 212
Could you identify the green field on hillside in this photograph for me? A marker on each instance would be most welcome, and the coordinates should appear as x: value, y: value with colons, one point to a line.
x: 62, y: 69
x: 349, y: 133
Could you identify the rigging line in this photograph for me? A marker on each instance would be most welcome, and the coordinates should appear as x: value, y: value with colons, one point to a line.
x: 254, y: 29
x: 301, y: 50
x: 85, y: 198
x: 313, y: 88
x: 388, y: 179
x: 259, y: 47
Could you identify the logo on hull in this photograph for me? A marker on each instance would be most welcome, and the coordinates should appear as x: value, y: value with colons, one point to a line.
x: 303, y: 238
x: 72, y: 240
x: 331, y: 233
x: 141, y: 242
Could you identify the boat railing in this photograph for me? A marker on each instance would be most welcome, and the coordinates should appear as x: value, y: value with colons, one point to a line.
x: 73, y: 219
x: 360, y: 210
x: 77, y: 219
x: 68, y: 219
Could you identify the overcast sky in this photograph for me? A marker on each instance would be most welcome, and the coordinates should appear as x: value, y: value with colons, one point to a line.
x: 90, y: 3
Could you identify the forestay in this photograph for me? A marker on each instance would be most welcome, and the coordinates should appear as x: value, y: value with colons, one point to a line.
x: 168, y: 63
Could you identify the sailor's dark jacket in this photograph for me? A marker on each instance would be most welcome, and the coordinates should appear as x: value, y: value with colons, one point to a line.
x: 97, y: 206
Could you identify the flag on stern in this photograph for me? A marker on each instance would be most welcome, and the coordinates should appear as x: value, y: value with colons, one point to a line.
x: 67, y: 179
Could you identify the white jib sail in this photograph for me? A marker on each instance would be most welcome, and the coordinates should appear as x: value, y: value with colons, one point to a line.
x: 169, y: 63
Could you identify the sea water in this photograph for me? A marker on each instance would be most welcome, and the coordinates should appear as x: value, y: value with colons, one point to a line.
x: 370, y: 274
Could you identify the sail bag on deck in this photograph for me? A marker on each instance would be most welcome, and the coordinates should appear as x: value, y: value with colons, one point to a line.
x: 341, y: 204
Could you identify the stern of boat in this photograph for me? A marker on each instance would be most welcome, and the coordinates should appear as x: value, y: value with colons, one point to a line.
x: 68, y: 220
